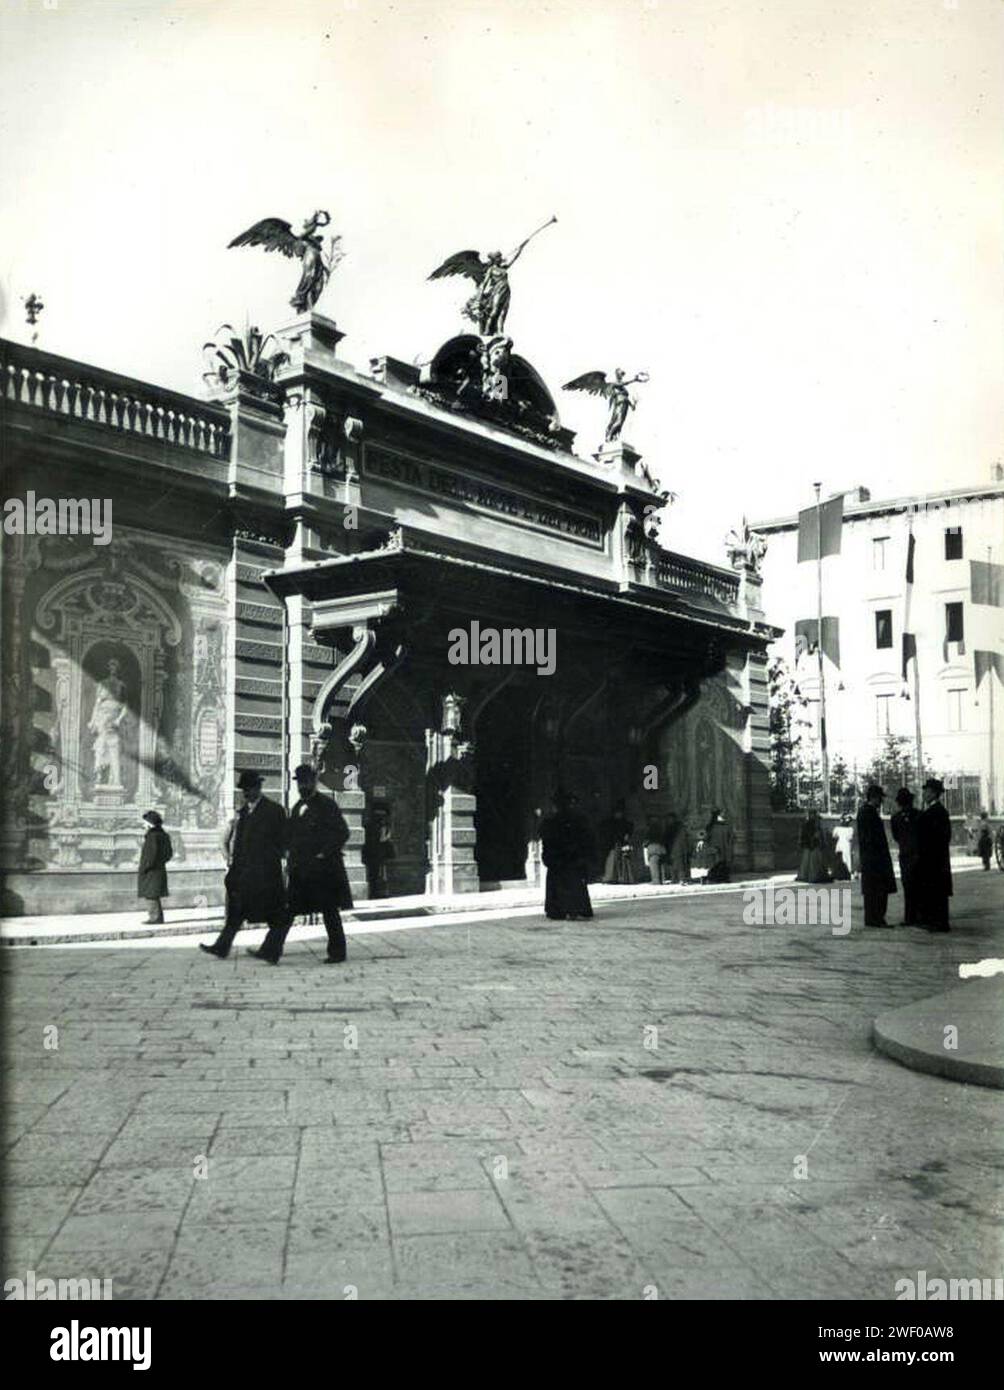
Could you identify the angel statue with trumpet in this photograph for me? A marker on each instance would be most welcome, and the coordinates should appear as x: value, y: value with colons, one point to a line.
x: 308, y: 248
x: 616, y: 394
x: 489, y: 304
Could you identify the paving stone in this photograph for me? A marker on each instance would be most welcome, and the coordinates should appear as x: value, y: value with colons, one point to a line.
x: 439, y: 1213
x: 135, y: 1189
x: 502, y: 1127
x: 474, y: 1265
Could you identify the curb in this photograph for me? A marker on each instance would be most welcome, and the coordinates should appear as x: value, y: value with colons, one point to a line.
x: 914, y: 1035
x: 363, y: 916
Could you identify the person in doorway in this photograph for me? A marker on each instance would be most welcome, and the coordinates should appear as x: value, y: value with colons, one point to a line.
x: 877, y: 877
x: 378, y: 851
x: 316, y: 836
x: 151, y: 878
x: 904, y: 831
x: 934, y: 837
x: 567, y: 851
x: 254, y: 886
x: 985, y: 840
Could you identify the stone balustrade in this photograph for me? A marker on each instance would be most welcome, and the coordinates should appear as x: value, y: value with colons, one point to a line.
x: 42, y: 381
x: 692, y: 576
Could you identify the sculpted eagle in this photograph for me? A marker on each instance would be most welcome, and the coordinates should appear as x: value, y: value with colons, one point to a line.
x: 276, y: 235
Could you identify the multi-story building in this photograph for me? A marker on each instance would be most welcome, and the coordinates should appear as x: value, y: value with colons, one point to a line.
x: 289, y: 567
x: 865, y: 587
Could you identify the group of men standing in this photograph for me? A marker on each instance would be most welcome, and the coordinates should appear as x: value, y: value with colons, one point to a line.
x: 311, y: 837
x: 924, y: 839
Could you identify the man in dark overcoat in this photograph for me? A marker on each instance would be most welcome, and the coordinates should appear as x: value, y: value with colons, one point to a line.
x: 151, y: 877
x: 934, y: 835
x: 316, y: 834
x: 877, y: 877
x: 255, y: 890
x: 904, y: 832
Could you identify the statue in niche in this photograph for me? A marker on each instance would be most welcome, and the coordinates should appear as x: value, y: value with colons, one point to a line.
x: 110, y: 709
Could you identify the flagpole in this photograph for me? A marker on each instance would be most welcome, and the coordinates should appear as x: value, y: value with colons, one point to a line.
x: 824, y: 757
x: 991, y: 779
x: 916, y: 703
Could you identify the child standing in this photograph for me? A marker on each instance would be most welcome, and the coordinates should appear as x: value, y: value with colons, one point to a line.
x: 151, y: 881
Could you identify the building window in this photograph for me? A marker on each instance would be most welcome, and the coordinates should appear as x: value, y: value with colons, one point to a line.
x: 879, y: 545
x: 883, y: 714
x: 883, y: 627
x: 953, y: 542
x: 954, y: 630
x: 955, y: 710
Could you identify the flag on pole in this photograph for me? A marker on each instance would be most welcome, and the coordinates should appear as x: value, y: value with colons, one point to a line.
x: 986, y: 583
x: 807, y: 638
x: 988, y: 661
x: 909, y: 636
x: 824, y: 528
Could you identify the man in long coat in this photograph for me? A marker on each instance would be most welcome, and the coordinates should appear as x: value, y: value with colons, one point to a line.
x: 255, y: 891
x: 316, y: 834
x: 934, y: 879
x: 877, y: 877
x: 151, y: 877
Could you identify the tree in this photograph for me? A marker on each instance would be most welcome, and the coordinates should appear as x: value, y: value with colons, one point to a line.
x: 786, y: 764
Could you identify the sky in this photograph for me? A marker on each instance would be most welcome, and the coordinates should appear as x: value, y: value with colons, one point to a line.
x: 788, y: 213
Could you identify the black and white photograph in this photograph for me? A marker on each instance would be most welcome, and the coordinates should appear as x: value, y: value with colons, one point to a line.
x: 502, y: 704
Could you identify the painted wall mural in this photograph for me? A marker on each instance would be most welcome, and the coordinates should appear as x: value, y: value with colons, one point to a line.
x: 113, y: 699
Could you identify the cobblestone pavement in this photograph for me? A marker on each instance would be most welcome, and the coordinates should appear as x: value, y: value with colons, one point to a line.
x: 485, y: 1111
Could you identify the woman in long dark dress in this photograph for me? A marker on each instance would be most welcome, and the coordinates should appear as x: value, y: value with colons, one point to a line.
x: 567, y: 849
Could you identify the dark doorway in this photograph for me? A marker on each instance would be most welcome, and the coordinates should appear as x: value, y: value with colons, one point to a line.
x: 502, y: 786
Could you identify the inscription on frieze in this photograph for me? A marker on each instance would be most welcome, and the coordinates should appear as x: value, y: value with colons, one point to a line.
x: 257, y: 724
x: 250, y: 574
x: 457, y: 487
x: 260, y: 651
x: 260, y: 613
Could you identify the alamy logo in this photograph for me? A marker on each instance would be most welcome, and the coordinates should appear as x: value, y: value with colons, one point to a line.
x: 76, y: 1343
x: 30, y: 1288
x: 801, y: 906
x: 512, y: 646
x: 923, y: 1289
x: 64, y: 516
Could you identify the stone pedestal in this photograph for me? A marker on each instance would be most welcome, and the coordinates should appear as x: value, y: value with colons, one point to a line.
x: 310, y: 339
x: 616, y: 453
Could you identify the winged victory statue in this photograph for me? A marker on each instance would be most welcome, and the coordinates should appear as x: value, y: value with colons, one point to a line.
x: 489, y: 304
x: 276, y: 235
x: 615, y: 393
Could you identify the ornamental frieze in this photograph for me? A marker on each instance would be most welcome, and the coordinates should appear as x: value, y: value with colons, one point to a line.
x: 489, y: 497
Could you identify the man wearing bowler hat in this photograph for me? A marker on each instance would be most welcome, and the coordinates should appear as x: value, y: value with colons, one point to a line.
x: 877, y: 877
x: 315, y: 835
x: 934, y: 836
x: 255, y: 891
